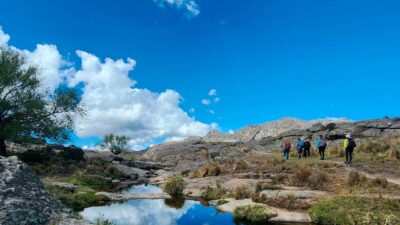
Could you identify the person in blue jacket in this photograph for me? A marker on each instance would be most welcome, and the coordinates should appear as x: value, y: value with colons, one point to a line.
x: 300, y: 147
x: 321, y: 145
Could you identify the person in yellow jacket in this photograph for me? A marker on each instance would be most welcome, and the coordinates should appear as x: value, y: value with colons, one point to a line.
x: 348, y: 146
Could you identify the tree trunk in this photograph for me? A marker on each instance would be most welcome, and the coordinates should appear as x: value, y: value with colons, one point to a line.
x: 3, y: 147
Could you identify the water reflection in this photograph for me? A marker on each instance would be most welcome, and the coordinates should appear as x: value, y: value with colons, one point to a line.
x: 159, y: 212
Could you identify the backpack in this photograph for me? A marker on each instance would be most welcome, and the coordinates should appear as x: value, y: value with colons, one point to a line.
x: 352, y: 144
x: 287, y: 144
x: 323, y: 142
x: 307, y: 144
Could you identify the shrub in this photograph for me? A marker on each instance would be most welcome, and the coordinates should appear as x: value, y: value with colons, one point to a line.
x: 356, y: 210
x: 213, y: 170
x: 240, y: 166
x: 36, y: 156
x: 287, y: 202
x: 79, y: 201
x: 374, y: 146
x: 279, y: 178
x: 212, y: 193
x: 242, y: 192
x: 354, y: 178
x: 317, y: 180
x: 192, y: 174
x: 381, y: 182
x: 254, y: 213
x: 174, y: 185
x: 72, y: 153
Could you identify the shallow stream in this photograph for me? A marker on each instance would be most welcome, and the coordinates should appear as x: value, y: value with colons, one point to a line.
x: 160, y: 212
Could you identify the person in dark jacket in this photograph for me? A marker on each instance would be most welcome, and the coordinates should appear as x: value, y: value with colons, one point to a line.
x: 307, y: 148
x: 348, y: 145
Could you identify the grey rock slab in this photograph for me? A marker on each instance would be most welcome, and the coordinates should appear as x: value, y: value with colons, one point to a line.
x: 295, y: 193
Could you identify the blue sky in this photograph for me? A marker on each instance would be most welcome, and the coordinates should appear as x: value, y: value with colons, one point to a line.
x: 265, y: 59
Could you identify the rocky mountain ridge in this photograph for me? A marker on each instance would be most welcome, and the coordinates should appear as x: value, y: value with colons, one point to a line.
x: 192, y: 153
x: 269, y: 129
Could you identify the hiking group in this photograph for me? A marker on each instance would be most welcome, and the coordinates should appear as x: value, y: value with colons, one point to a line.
x: 303, y: 147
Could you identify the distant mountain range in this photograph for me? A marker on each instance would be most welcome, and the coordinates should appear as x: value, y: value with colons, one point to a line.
x: 269, y: 129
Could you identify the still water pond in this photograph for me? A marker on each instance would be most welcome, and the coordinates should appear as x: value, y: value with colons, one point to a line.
x: 159, y: 212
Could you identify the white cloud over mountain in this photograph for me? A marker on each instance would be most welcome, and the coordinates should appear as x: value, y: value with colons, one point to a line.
x: 113, y: 103
x: 190, y: 6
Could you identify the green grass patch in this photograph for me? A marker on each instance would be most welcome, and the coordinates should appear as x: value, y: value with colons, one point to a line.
x: 356, y: 210
x: 174, y: 185
x: 253, y: 213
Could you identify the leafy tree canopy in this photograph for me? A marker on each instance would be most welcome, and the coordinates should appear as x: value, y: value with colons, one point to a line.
x: 116, y: 144
x: 27, y: 110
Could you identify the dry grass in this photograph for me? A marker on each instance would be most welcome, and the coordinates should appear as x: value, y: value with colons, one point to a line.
x: 308, y: 177
x: 289, y: 202
x: 242, y: 192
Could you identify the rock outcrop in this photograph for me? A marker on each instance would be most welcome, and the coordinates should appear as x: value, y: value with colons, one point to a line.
x: 23, y: 198
x: 193, y: 153
x: 270, y: 129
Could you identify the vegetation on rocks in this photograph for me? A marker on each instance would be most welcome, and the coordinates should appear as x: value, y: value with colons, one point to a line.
x: 242, y: 192
x: 85, y: 194
x: 356, y: 210
x: 213, y: 193
x: 254, y: 213
x: 288, y: 202
x: 174, y: 185
x: 308, y: 177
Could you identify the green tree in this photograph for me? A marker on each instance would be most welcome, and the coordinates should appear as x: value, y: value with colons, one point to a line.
x: 28, y: 111
x: 116, y: 144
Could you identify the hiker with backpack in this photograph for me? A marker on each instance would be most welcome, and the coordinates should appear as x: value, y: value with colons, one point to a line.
x: 321, y: 145
x: 286, y: 149
x: 348, y: 145
x: 307, y: 149
x: 300, y: 147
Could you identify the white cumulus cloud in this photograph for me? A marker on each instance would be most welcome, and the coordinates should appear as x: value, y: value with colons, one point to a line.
x: 4, y: 38
x: 205, y: 101
x: 116, y: 106
x: 113, y: 103
x: 212, y: 92
x: 190, y: 6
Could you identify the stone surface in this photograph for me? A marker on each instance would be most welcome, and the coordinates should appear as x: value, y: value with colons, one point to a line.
x: 23, y: 198
x: 295, y: 193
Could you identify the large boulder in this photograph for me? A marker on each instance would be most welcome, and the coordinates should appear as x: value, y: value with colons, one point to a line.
x: 23, y: 198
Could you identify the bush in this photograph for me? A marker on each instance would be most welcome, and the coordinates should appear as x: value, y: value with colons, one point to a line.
x: 242, y: 192
x: 213, y: 193
x: 240, y: 166
x: 174, y: 185
x: 354, y: 179
x: 254, y: 213
x: 36, y: 156
x: 381, y: 182
x: 279, y: 178
x: 72, y: 153
x: 288, y: 202
x: 356, y: 210
x: 306, y: 176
